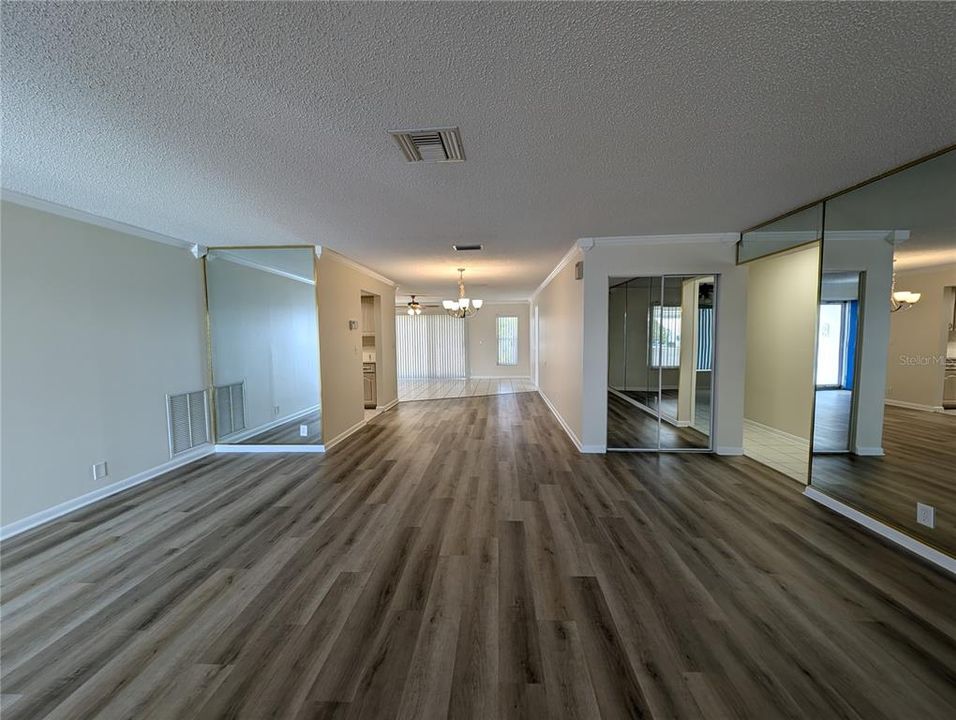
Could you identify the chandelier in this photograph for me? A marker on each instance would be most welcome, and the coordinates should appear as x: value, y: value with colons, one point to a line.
x: 902, y: 299
x: 462, y: 307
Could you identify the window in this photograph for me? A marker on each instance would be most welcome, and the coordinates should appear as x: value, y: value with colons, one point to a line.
x: 664, y: 344
x: 507, y: 332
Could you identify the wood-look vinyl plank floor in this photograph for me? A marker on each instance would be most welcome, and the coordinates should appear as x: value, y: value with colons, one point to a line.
x: 629, y: 426
x: 458, y: 558
x: 918, y: 465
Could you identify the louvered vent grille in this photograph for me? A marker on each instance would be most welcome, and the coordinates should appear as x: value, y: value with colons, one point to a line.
x: 430, y: 145
x: 230, y: 409
x: 188, y: 421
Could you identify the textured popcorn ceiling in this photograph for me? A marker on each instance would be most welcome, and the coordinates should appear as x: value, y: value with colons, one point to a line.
x: 266, y: 122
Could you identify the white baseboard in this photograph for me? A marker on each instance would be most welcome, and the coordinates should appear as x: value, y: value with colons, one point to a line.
x: 238, y: 449
x: 594, y: 449
x: 869, y: 451
x: 389, y: 406
x: 563, y: 424
x: 781, y: 433
x: 892, y: 534
x: 913, y: 406
x: 500, y: 377
x: 252, y: 432
x: 44, y: 516
x: 729, y: 450
x: 342, y: 435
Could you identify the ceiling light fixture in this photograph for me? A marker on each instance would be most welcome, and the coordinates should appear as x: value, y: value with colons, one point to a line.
x: 902, y: 299
x: 414, y: 307
x: 462, y: 307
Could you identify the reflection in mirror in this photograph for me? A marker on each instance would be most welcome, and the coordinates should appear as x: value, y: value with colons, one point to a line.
x: 660, y: 361
x: 883, y: 441
x: 264, y: 346
x: 793, y: 231
x: 683, y: 329
x: 782, y: 297
x: 837, y: 330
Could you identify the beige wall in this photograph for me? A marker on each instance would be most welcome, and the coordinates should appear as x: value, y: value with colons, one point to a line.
x: 781, y: 337
x: 97, y: 327
x: 918, y: 338
x: 339, y: 288
x: 483, y: 341
x: 560, y: 336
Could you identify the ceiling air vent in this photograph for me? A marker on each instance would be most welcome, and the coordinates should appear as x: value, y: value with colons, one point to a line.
x: 430, y: 145
x: 466, y: 248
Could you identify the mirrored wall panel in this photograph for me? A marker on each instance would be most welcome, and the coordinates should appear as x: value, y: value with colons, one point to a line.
x: 263, y: 334
x: 795, y: 230
x: 884, y: 438
x: 782, y: 298
x: 661, y: 362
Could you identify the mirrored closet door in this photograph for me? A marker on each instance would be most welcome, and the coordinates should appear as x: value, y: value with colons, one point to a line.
x: 660, y: 362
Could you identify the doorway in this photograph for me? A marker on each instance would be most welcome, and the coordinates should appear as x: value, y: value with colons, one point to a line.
x: 370, y: 329
x: 661, y: 362
x: 835, y: 365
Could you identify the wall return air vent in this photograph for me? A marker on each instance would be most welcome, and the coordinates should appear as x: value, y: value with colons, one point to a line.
x: 430, y: 145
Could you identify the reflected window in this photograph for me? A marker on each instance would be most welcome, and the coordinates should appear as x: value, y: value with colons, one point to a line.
x: 664, y: 346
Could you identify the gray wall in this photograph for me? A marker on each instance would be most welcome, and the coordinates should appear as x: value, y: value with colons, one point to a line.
x: 97, y: 327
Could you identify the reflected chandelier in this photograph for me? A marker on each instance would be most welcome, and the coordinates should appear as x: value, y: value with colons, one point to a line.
x: 902, y: 299
x: 462, y: 307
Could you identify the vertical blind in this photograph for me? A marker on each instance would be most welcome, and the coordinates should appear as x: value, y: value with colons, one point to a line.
x: 664, y: 345
x: 705, y: 338
x: 430, y: 346
x: 506, y: 328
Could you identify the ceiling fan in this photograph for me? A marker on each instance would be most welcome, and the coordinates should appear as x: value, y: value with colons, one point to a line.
x: 415, y: 307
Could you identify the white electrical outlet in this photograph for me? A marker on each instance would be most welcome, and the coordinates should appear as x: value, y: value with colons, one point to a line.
x: 100, y: 470
x: 926, y: 515
x: 303, y: 431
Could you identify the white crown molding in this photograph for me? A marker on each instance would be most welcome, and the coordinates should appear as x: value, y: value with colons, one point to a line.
x: 562, y: 263
x: 321, y: 251
x: 229, y: 256
x: 53, y: 208
x: 691, y: 238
